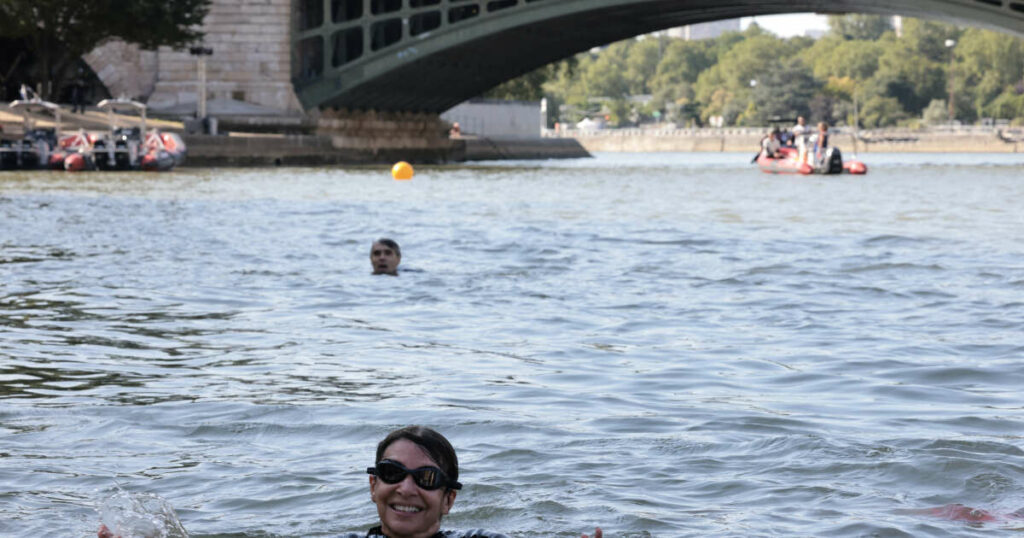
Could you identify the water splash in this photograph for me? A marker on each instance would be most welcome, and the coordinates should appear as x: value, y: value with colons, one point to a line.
x: 140, y: 515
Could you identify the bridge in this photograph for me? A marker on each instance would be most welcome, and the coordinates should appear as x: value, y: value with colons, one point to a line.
x: 429, y: 55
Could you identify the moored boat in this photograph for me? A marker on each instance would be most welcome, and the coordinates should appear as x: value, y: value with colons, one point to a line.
x: 119, y: 148
x: 788, y: 161
x: 37, y: 147
x: 135, y: 148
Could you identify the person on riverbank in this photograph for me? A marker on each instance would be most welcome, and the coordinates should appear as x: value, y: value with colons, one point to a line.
x: 385, y: 255
x: 78, y: 93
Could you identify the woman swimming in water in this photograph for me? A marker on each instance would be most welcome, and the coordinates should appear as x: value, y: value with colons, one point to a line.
x: 414, y: 483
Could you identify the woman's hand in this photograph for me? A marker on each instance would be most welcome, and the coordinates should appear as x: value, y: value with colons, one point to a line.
x: 597, y: 533
x: 104, y: 532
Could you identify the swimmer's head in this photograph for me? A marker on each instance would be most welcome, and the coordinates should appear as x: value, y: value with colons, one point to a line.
x: 385, y: 255
x: 433, y: 444
x: 410, y: 500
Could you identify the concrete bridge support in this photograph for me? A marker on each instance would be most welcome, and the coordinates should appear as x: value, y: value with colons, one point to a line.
x: 249, y: 72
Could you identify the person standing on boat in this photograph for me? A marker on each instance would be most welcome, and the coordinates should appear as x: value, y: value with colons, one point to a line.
x: 800, y: 128
x: 820, y: 141
x: 799, y: 138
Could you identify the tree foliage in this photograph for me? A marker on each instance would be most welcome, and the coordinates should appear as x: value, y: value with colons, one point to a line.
x: 785, y: 91
x: 986, y: 66
x: 747, y: 77
x: 529, y: 87
x: 911, y: 80
x: 61, y: 31
x: 880, y: 111
x: 859, y: 27
x: 935, y: 113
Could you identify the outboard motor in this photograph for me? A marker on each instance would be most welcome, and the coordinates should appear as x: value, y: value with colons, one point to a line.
x: 48, y: 135
x: 28, y: 154
x: 8, y: 155
x: 122, y: 157
x: 833, y: 161
x: 100, y: 154
x: 118, y: 151
x: 36, y: 148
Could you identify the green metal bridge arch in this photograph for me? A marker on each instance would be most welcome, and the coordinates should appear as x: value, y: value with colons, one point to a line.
x: 429, y: 55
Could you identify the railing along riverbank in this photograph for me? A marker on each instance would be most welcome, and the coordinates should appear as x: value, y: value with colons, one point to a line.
x: 966, y: 139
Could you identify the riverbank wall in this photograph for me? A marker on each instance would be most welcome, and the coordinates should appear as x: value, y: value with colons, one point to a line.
x: 960, y: 140
x: 316, y: 150
x: 323, y: 138
x: 368, y: 137
x: 370, y: 140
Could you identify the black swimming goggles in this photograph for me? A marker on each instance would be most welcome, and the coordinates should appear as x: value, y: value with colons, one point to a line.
x: 428, y: 478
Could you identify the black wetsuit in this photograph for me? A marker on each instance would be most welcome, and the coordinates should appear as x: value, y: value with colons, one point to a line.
x: 472, y: 533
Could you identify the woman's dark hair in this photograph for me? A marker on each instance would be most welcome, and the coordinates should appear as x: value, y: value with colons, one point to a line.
x: 390, y: 243
x: 433, y: 443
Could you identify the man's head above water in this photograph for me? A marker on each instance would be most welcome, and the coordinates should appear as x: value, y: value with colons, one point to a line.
x: 385, y: 255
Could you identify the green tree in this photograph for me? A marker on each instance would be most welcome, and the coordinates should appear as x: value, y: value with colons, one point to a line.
x: 832, y: 57
x: 928, y: 39
x: 725, y: 42
x: 1007, y: 105
x: 785, y: 91
x: 882, y: 112
x: 859, y: 27
x: 604, y: 76
x: 672, y: 85
x: 642, y: 59
x: 564, y: 84
x: 988, y: 64
x: 618, y: 112
x: 736, y: 73
x: 912, y: 80
x: 528, y: 87
x: 682, y: 62
x: 859, y: 70
x: 937, y: 113
x: 61, y: 31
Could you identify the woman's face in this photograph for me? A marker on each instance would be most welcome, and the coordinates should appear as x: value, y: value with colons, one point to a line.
x: 405, y: 509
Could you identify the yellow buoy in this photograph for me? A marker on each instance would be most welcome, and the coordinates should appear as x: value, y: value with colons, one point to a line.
x: 402, y: 170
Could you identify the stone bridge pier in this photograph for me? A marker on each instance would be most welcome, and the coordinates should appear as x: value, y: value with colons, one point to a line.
x: 249, y: 73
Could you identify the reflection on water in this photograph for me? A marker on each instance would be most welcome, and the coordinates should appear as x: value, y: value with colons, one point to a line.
x: 661, y: 345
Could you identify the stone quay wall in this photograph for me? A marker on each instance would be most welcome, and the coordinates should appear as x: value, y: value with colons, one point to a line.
x: 251, y: 61
x: 321, y: 150
x: 962, y: 140
x: 340, y: 137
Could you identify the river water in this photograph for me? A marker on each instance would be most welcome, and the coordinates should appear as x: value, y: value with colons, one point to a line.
x: 663, y: 345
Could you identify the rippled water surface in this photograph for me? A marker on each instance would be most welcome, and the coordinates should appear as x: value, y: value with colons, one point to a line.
x: 663, y: 345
